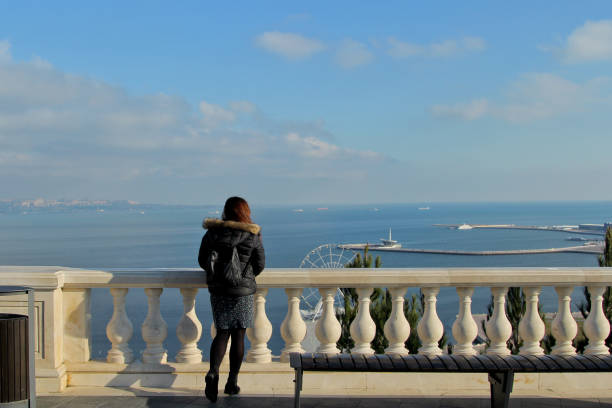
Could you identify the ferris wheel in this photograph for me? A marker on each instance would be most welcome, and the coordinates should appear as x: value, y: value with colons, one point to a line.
x: 325, y: 256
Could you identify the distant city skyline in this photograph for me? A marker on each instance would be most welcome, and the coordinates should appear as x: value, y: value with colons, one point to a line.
x: 306, y: 103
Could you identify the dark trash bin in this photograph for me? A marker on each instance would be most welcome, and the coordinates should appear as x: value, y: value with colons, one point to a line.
x: 14, y: 361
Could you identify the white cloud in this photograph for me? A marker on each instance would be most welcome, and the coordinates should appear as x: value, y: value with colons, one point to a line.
x: 534, y: 96
x: 69, y: 136
x: 311, y: 146
x: 468, y: 111
x: 590, y: 42
x: 242, y: 106
x: 5, y: 51
x: 314, y: 147
x: 214, y: 114
x: 289, y: 45
x: 402, y: 49
x: 474, y: 43
x: 352, y: 54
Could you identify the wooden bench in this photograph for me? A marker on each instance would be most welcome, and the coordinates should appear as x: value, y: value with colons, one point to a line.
x: 500, y: 369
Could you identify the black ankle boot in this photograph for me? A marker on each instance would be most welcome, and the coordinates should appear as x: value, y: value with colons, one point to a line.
x: 212, y: 386
x: 231, y: 387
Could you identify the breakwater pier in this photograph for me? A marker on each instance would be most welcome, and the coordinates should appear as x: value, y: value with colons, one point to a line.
x: 589, y: 248
x: 572, y: 229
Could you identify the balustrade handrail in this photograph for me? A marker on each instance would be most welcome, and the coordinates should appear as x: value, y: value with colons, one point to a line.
x: 321, y: 278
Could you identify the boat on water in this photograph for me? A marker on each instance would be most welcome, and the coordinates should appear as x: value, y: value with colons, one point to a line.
x: 464, y: 226
x: 424, y: 208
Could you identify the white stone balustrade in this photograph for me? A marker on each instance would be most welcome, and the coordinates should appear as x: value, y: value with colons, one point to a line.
x: 397, y: 328
x: 328, y: 329
x: 564, y: 327
x: 498, y: 327
x: 430, y: 326
x: 363, y: 328
x: 154, y: 329
x: 68, y: 290
x: 260, y: 334
x: 293, y: 328
x: 189, y: 329
x: 119, y: 330
x: 597, y: 326
x: 465, y: 329
x: 531, y: 328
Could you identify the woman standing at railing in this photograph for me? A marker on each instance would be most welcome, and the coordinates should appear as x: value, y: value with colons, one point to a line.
x: 232, y: 255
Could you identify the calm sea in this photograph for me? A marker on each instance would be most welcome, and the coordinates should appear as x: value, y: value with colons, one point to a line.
x: 170, y: 237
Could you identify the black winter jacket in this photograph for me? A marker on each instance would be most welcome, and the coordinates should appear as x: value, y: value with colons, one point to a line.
x: 247, y: 240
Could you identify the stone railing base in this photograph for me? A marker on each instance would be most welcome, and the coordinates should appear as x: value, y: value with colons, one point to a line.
x: 277, y: 379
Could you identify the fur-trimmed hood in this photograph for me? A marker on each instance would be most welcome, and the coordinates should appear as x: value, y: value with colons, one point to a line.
x: 216, y: 223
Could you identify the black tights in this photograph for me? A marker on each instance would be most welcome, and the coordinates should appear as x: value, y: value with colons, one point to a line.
x: 218, y: 347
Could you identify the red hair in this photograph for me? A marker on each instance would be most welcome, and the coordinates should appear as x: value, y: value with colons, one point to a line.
x: 237, y: 209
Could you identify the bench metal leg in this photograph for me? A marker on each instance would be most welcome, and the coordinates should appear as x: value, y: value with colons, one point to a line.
x: 298, y: 387
x: 501, y: 387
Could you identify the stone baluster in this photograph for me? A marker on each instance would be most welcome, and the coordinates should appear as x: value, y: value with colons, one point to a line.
x: 213, y: 334
x: 154, y: 330
x: 189, y: 329
x: 465, y: 329
x: 531, y: 328
x: 363, y: 329
x: 397, y: 328
x: 328, y: 329
x: 430, y: 328
x: 261, y: 332
x: 596, y: 326
x: 293, y: 328
x: 119, y: 330
x: 564, y: 327
x: 498, y: 327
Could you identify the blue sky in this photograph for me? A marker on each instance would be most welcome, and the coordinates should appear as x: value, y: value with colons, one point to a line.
x: 316, y: 102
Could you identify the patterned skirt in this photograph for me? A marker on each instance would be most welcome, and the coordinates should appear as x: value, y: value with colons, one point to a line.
x: 232, y: 312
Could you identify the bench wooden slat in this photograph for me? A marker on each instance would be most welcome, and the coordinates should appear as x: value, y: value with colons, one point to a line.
x: 552, y: 363
x: 487, y: 362
x: 320, y: 361
x: 475, y: 363
x: 360, y: 363
x: 423, y: 362
x: 500, y: 362
x: 398, y: 362
x: 449, y: 362
x: 526, y: 365
x: 539, y: 364
x: 385, y: 362
x: 511, y: 362
x: 462, y: 362
x: 347, y: 362
x: 598, y: 363
x: 573, y: 362
x: 333, y: 362
x: 606, y: 359
x: 563, y: 363
x: 588, y: 364
x: 411, y: 363
x: 373, y: 363
x: 436, y: 363
x: 308, y: 361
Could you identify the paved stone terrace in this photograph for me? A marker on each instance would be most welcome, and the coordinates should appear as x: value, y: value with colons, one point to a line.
x: 310, y: 402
